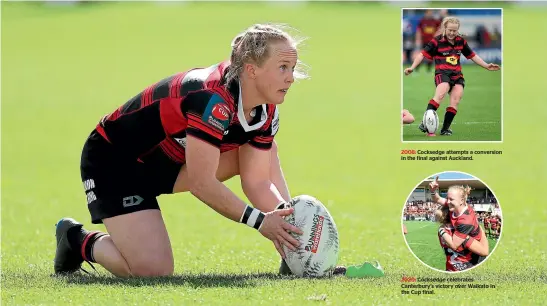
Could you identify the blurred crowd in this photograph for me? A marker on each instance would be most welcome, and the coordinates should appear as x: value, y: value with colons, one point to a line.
x: 420, y: 210
x: 491, y: 223
x: 421, y: 25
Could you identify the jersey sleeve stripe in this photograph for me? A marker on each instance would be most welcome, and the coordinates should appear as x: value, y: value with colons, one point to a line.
x: 174, y: 86
x: 146, y: 98
x: 426, y: 54
x: 198, y: 124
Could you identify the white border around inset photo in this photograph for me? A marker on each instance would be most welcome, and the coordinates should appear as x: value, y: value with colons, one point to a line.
x: 436, y: 224
x: 421, y: 115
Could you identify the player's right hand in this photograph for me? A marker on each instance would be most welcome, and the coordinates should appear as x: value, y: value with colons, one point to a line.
x: 275, y: 228
x: 434, y: 185
x: 408, y: 71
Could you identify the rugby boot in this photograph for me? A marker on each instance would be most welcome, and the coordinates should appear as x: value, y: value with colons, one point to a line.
x: 67, y: 260
x: 447, y: 132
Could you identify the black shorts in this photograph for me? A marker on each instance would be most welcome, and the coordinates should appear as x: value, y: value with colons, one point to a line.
x: 445, y: 78
x: 114, y: 184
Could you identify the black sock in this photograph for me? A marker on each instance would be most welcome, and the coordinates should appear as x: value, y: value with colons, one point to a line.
x: 88, y: 244
x: 432, y: 105
x: 448, y: 117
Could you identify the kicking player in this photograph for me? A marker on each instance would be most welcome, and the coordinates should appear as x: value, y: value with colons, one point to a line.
x: 462, y: 217
x: 458, y: 258
x: 446, y: 50
x: 187, y: 132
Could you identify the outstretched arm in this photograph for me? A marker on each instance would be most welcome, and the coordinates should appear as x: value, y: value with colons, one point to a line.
x: 469, y: 54
x: 479, y: 61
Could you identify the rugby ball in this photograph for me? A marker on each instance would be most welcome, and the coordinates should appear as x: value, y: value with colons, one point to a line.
x: 431, y: 121
x: 318, y: 252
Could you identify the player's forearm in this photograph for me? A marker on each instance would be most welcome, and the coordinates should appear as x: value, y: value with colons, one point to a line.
x: 437, y: 198
x: 478, y: 248
x: 479, y: 61
x: 449, y: 242
x: 419, y: 58
x: 263, y: 195
x: 217, y: 196
x: 277, y: 177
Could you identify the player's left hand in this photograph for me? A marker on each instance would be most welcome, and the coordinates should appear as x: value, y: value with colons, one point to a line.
x: 493, y: 67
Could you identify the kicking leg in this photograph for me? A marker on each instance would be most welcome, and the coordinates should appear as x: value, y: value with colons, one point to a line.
x: 440, y: 92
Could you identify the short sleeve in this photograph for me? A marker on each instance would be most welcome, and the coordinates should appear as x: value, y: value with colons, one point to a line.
x: 430, y: 49
x: 466, y: 51
x: 208, y: 116
x: 264, y: 138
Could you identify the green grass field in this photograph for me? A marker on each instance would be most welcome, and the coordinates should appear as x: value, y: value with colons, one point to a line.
x: 423, y: 242
x: 63, y: 68
x: 479, y: 112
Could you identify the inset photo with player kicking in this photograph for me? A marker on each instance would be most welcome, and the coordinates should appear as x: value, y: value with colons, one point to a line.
x: 452, y: 222
x: 452, y: 75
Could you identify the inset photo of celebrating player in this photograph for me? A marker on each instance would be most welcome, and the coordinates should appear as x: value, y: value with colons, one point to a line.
x: 452, y: 75
x: 452, y: 222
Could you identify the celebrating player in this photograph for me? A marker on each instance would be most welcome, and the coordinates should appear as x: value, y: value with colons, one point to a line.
x: 187, y: 132
x: 446, y: 50
x: 457, y: 257
x: 462, y: 217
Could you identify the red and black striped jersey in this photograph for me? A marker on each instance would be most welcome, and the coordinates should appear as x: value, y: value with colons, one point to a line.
x: 459, y: 260
x: 466, y: 224
x: 447, y: 55
x: 152, y: 126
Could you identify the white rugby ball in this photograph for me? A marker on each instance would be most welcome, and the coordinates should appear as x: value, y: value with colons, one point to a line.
x: 431, y: 121
x: 318, y: 252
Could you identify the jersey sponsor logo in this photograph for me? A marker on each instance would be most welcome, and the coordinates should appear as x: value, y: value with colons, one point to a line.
x: 452, y: 60
x: 220, y: 111
x: 217, y: 113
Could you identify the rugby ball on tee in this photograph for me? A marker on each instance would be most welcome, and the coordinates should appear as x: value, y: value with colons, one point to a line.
x: 318, y: 252
x: 431, y: 121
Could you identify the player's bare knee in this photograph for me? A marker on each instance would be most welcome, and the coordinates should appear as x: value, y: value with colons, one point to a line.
x: 455, y: 100
x: 153, y: 268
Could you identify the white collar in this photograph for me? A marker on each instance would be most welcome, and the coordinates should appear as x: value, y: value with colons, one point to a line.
x: 241, y: 114
x: 453, y: 215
